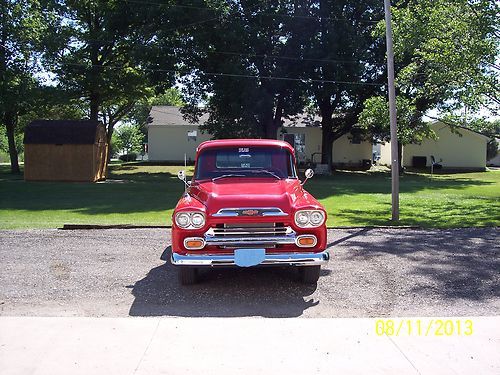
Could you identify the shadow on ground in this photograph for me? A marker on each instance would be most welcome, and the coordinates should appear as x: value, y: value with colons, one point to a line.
x: 449, y: 265
x: 267, y: 292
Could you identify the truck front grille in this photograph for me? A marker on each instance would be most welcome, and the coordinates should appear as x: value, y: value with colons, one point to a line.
x: 258, y: 229
x: 247, y: 235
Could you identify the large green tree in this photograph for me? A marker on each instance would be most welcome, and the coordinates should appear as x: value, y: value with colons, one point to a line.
x: 128, y: 138
x: 445, y: 59
x: 245, y: 67
x: 345, y: 63
x: 106, y: 52
x: 21, y: 32
x: 269, y: 60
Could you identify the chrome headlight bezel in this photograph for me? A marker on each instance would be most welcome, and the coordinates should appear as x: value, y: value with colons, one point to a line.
x: 309, y: 214
x: 190, y: 224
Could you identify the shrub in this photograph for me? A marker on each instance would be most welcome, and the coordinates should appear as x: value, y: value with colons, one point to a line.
x: 132, y: 156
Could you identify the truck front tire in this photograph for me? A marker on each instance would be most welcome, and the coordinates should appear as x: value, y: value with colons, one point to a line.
x: 187, y: 275
x: 309, y: 274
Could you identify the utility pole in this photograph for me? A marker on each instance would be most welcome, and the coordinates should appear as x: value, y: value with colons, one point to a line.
x: 392, y: 112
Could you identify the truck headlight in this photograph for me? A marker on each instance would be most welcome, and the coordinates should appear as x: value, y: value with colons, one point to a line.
x: 309, y: 218
x: 190, y: 220
x: 198, y: 220
x: 302, y: 218
x: 317, y: 217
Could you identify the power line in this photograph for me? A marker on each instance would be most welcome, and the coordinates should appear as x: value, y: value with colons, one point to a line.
x: 270, y: 56
x: 234, y: 75
x: 283, y: 57
x: 170, y: 5
x: 319, y: 18
x: 198, y: 22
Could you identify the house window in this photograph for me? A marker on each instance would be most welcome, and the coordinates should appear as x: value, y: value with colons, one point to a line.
x: 192, y: 134
x: 356, y: 139
x: 300, y: 143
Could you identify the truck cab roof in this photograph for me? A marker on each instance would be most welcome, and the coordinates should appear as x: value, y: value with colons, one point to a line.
x: 245, y: 143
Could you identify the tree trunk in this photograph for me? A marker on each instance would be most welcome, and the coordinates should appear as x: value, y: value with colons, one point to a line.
x: 278, y: 114
x: 327, y: 147
x: 269, y: 129
x: 94, y: 107
x: 326, y: 111
x: 10, y: 123
x: 109, y: 135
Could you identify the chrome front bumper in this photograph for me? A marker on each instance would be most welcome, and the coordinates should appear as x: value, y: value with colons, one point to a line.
x: 285, y: 259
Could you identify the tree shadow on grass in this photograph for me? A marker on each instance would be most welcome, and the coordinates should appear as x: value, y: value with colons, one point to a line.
x: 159, y: 191
x: 222, y: 292
x: 148, y: 192
x: 466, y: 212
x: 349, y: 183
x: 453, y: 264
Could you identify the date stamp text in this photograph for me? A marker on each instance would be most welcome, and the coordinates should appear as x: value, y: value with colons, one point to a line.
x: 424, y: 327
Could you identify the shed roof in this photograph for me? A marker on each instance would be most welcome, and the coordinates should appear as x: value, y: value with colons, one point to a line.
x: 78, y: 132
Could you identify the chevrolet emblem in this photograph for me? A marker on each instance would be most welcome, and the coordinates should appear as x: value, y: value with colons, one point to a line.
x: 249, y: 212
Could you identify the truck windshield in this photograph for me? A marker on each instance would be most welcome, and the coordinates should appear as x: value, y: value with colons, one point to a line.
x: 269, y: 162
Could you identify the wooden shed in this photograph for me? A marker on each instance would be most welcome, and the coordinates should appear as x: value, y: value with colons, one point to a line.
x: 65, y: 150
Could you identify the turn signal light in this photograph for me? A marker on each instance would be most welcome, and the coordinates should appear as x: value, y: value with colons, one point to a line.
x: 194, y: 243
x: 306, y: 241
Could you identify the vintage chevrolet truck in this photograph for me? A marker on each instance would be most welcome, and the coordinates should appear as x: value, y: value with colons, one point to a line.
x: 244, y: 207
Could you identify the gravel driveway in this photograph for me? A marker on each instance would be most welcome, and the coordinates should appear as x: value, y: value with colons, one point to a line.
x: 373, y: 272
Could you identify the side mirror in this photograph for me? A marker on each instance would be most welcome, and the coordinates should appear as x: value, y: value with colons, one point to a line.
x: 309, y: 173
x: 181, y: 175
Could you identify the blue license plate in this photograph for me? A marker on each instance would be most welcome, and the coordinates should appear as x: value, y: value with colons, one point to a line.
x: 249, y: 257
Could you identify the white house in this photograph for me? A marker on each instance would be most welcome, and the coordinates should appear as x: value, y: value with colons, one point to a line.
x: 170, y: 136
x: 459, y: 149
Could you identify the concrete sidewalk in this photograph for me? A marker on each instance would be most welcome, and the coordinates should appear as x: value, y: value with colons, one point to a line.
x: 238, y: 346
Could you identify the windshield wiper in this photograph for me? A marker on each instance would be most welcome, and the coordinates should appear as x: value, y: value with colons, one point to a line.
x: 228, y: 175
x: 268, y: 172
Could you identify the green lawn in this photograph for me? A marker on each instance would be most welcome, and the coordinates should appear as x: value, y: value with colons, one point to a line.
x: 146, y: 194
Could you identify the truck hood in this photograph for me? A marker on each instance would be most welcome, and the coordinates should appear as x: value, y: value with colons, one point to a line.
x: 247, y: 193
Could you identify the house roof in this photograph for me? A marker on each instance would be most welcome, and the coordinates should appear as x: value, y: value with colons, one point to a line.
x: 302, y: 120
x: 444, y: 125
x: 170, y: 115
x: 61, y: 132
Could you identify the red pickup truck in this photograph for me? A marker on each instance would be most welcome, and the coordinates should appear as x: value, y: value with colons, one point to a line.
x: 244, y: 207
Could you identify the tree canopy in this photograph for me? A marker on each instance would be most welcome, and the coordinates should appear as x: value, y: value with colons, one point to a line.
x: 248, y: 63
x: 21, y: 32
x: 111, y: 53
x: 445, y: 59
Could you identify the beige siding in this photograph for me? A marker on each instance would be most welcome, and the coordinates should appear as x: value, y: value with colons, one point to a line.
x: 170, y: 142
x: 344, y: 152
x: 385, y: 154
x: 347, y: 153
x: 467, y: 150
